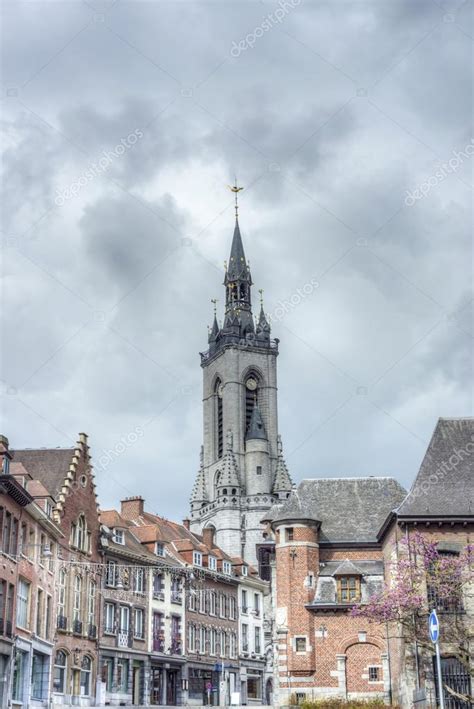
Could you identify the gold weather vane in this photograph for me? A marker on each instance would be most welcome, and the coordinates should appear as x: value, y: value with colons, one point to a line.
x: 235, y: 189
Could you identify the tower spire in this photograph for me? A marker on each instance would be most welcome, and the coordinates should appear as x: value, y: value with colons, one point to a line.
x: 235, y: 189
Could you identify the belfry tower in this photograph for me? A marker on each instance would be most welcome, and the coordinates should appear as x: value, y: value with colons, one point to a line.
x: 242, y: 471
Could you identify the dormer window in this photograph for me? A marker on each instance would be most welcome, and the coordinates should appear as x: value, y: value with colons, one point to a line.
x: 119, y: 536
x: 227, y: 567
x: 244, y: 571
x: 197, y: 558
x: 348, y: 589
x: 159, y: 549
x: 212, y: 563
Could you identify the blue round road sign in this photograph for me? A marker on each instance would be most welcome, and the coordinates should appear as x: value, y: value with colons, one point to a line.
x: 434, y: 627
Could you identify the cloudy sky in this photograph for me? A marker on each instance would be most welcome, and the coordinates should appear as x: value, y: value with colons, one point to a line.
x: 348, y: 123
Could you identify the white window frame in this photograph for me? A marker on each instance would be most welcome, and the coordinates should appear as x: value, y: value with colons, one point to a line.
x: 77, y: 598
x: 109, y: 629
x: 119, y: 536
x: 23, y: 603
x: 226, y: 568
x: 91, y: 603
x: 212, y: 563
x: 139, y: 613
x: 159, y: 549
x: 197, y: 558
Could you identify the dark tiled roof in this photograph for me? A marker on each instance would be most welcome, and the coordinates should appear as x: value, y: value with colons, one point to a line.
x: 349, y: 509
x: 348, y: 568
x: 48, y: 465
x: 444, y: 485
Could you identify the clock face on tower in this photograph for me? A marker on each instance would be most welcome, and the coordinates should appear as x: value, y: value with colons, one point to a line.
x: 251, y: 384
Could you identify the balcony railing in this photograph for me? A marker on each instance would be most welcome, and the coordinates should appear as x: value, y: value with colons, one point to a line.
x: 92, y: 632
x: 159, y: 595
x: 77, y: 627
x: 123, y: 638
x: 176, y: 597
x: 159, y: 644
x: 61, y: 623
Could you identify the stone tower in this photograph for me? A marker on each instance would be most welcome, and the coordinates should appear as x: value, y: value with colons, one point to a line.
x: 242, y: 471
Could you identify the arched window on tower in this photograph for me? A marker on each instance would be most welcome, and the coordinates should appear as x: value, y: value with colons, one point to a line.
x: 219, y: 419
x: 251, y: 396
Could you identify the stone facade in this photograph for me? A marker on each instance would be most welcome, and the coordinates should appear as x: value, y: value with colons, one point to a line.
x: 242, y: 471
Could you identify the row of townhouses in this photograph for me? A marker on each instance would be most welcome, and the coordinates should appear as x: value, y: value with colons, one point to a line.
x: 117, y: 607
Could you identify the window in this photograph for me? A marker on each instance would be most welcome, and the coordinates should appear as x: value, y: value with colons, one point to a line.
x: 212, y: 563
x: 108, y: 673
x: 256, y: 604
x: 227, y: 567
x: 124, y: 619
x: 213, y: 641
x: 202, y: 640
x: 23, y: 601
x: 192, y: 600
x: 122, y: 675
x: 77, y: 606
x: 119, y: 536
x: 41, y: 549
x: 61, y: 597
x: 159, y: 549
x: 213, y: 603
x: 219, y: 427
x: 86, y: 676
x: 222, y: 606
x: 91, y: 605
x: 109, y: 618
x: 139, y: 581
x: 244, y: 571
x: 138, y: 623
x: 232, y: 608
x: 19, y: 672
x: 24, y: 539
x: 245, y: 637
x: 191, y: 638
x: 233, y: 645
x: 348, y: 589
x: 375, y: 674
x: 259, y: 469
x: 244, y: 601
x: 39, y: 676
x: 6, y: 532
x: 39, y: 612
x: 290, y: 534
x: 254, y: 687
x: 300, y: 644
x: 51, y: 558
x: 257, y: 641
x: 175, y: 635
x: 197, y: 558
x: 251, y: 397
x: 158, y: 587
x: 450, y: 604
x: 47, y: 620
x: 158, y: 632
x: 111, y: 574
x: 59, y: 672
x: 222, y: 643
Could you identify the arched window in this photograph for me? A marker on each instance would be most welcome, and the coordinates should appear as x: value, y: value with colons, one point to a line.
x: 60, y: 668
x: 219, y: 419
x: 76, y: 611
x: 86, y: 665
x: 61, y: 614
x: 251, y: 396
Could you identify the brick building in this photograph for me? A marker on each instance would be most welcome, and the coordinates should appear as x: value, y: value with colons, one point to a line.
x: 67, y: 483
x: 328, y: 557
x: 440, y: 507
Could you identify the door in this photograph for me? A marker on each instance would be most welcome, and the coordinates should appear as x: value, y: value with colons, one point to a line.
x: 455, y: 676
x: 156, y: 685
x: 136, y: 684
x: 171, y: 687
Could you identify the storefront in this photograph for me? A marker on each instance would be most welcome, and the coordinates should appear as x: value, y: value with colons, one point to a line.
x: 166, y: 680
x: 123, y: 678
x: 5, y: 672
x: 251, y: 683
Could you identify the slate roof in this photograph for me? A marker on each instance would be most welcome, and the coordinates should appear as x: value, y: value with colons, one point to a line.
x: 348, y: 568
x: 444, y: 486
x: 349, y: 509
x: 49, y: 465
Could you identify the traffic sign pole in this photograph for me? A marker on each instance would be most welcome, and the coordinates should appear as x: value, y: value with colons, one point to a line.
x: 433, y: 626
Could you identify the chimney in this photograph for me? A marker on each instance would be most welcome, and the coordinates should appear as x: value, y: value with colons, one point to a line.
x: 187, y: 523
x: 208, y: 536
x: 5, y: 456
x: 132, y: 507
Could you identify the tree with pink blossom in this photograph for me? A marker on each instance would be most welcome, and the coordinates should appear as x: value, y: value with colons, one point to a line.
x: 423, y: 577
